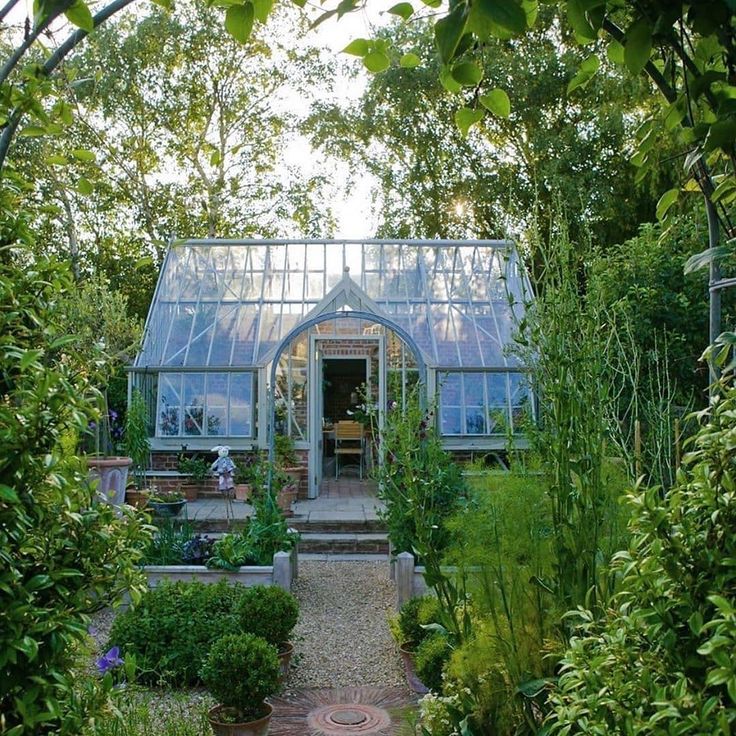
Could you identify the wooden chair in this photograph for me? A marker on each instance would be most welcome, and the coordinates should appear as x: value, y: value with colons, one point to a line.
x: 348, y: 441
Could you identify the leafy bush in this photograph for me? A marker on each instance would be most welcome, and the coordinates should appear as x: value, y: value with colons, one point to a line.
x: 430, y: 658
x: 175, y: 543
x: 173, y: 627
x: 269, y: 612
x: 414, y: 615
x: 62, y: 556
x: 137, y: 444
x: 662, y: 661
x: 241, y: 671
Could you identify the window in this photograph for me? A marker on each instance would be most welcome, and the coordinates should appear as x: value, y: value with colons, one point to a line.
x: 483, y: 403
x: 205, y: 405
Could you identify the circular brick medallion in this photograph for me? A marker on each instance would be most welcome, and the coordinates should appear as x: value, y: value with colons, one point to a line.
x: 340, y: 720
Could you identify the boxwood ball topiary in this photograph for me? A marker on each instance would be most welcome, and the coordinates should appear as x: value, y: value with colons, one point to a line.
x: 430, y: 658
x: 241, y: 671
x: 268, y: 611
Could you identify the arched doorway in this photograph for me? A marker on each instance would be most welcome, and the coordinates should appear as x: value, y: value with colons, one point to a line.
x: 345, y: 345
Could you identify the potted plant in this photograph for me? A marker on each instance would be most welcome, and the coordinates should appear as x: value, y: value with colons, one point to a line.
x: 287, y: 460
x: 241, y: 671
x: 138, y: 447
x: 196, y: 469
x: 243, y: 475
x: 410, y: 633
x: 166, y: 503
x: 270, y: 612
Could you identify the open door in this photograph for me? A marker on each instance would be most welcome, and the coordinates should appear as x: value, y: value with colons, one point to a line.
x: 316, y: 402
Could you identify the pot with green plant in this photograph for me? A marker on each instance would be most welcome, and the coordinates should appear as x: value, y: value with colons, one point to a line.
x: 287, y: 460
x: 166, y: 503
x: 196, y: 470
x: 241, y: 671
x: 270, y: 612
x: 411, y: 630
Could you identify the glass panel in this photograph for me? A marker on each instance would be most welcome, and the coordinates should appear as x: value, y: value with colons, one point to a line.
x: 204, y: 326
x: 475, y: 421
x: 241, y: 400
x: 169, y: 402
x: 193, y: 390
x: 522, y: 406
x: 498, y: 409
x: 450, y: 403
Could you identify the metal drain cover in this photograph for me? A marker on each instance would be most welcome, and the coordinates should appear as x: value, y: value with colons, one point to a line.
x: 350, y: 718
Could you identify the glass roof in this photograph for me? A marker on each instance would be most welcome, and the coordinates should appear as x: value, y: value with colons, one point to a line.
x: 230, y: 303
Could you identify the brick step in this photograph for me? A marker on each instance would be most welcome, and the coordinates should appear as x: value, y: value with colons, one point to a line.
x: 301, y: 524
x: 343, y: 544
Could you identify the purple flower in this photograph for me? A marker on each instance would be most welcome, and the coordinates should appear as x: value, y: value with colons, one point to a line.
x: 109, y: 660
x: 113, y: 414
x: 92, y: 630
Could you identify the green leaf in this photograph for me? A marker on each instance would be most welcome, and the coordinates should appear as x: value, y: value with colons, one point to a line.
x: 29, y: 356
x: 82, y: 154
x: 497, y: 102
x: 84, y: 187
x: 666, y: 201
x: 239, y: 22
x: 80, y: 15
x: 403, y: 10
x: 704, y: 258
x: 448, y: 81
x: 409, y: 61
x: 358, y: 47
x: 215, y: 158
x: 432, y: 3
x: 638, y: 46
x: 465, y: 118
x: 8, y: 494
x: 576, y: 16
x: 449, y: 30
x: 468, y: 73
x: 720, y: 135
x: 376, y: 62
x: 56, y: 159
x: 587, y: 71
x: 506, y: 13
x: 262, y: 9
x: 727, y: 186
x: 32, y: 131
x: 615, y: 52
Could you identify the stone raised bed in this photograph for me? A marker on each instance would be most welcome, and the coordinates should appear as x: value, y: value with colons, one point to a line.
x: 282, y: 572
x: 409, y: 577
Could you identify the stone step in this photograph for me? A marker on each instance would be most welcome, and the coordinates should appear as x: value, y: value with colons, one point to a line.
x: 343, y: 544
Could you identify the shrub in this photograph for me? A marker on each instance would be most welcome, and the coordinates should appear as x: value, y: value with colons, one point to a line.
x: 62, y: 557
x: 430, y: 658
x: 173, y: 627
x: 416, y: 613
x: 269, y: 612
x: 662, y: 661
x: 241, y: 671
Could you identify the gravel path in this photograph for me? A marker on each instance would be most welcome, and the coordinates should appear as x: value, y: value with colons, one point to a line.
x: 342, y: 638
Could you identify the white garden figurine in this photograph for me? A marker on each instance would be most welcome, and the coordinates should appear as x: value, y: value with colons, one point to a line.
x: 224, y: 467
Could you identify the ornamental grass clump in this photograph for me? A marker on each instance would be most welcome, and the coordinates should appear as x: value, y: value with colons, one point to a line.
x: 269, y: 612
x: 241, y: 671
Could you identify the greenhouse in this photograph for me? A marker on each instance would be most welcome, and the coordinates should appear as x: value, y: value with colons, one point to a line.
x: 248, y: 339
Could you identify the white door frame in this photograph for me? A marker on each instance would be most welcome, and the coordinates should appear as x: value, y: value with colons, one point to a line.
x: 316, y: 395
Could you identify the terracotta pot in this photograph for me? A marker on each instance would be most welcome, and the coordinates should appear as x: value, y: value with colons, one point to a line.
x: 242, y: 492
x: 407, y: 657
x: 136, y: 498
x: 111, y: 474
x: 286, y: 497
x: 190, y: 491
x: 286, y: 649
x: 250, y: 728
x: 295, y: 473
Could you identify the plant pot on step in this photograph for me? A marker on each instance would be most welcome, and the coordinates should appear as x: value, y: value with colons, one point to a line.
x: 111, y: 474
x: 222, y: 726
x: 190, y: 491
x: 167, y: 510
x: 286, y: 649
x: 136, y: 498
x: 407, y: 657
x: 242, y: 492
x: 294, y: 473
x: 286, y: 497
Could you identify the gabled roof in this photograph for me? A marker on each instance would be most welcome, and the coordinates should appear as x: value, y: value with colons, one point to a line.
x: 230, y: 303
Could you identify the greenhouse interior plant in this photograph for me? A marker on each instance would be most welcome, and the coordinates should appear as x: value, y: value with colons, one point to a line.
x: 138, y: 447
x: 241, y: 671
